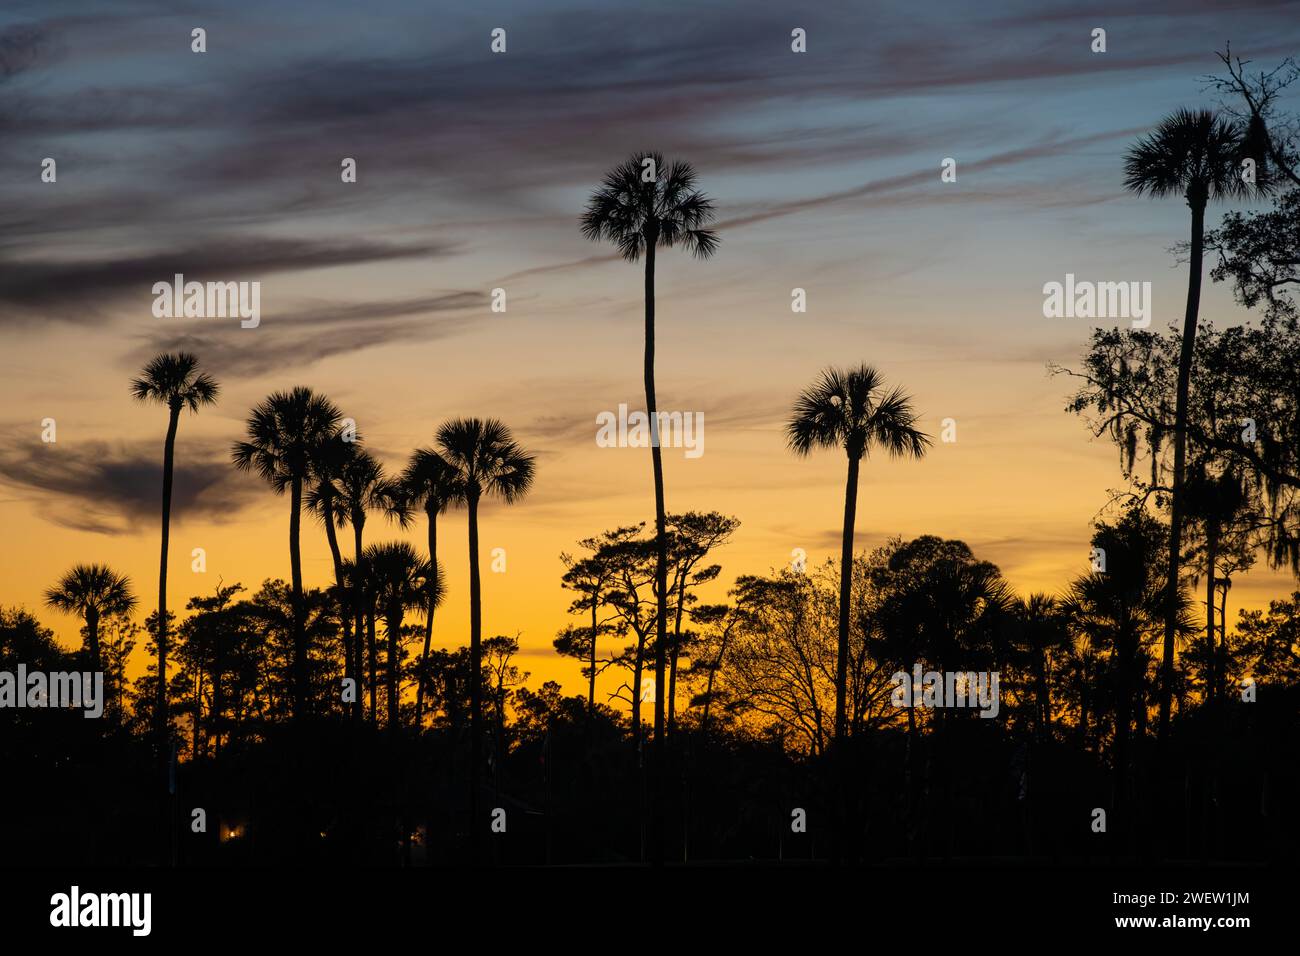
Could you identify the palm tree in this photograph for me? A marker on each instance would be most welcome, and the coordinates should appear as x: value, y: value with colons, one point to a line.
x: 1216, y: 502
x: 92, y: 592
x: 286, y: 433
x: 1122, y: 610
x: 172, y: 379
x: 1040, y: 634
x: 641, y: 205
x: 361, y: 487
x: 1194, y: 154
x: 428, y: 482
x: 322, y: 500
x: 488, y: 462
x: 400, y: 578
x: 849, y: 409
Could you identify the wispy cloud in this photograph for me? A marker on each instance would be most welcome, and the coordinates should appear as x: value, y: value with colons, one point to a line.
x: 114, y: 488
x: 78, y: 290
x: 306, y: 335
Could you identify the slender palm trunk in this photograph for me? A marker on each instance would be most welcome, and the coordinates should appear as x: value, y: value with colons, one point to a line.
x: 846, y: 590
x: 169, y: 458
x: 428, y: 618
x: 1223, y: 647
x: 677, y: 649
x: 1044, y: 721
x: 295, y: 566
x: 358, y: 605
x: 591, y: 659
x: 838, y: 768
x: 476, y: 678
x: 1211, y: 555
x: 198, y: 713
x: 638, y: 669
x: 344, y: 617
x: 92, y: 638
x: 661, y: 553
x: 373, y: 661
x: 1196, y: 198
x: 393, y: 627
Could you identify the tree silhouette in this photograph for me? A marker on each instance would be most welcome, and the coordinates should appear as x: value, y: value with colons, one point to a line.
x: 323, y: 500
x: 1194, y: 154
x: 781, y: 664
x: 635, y: 605
x: 1123, y: 610
x: 719, y: 620
x: 172, y: 379
x: 693, y: 536
x: 593, y: 577
x: 286, y: 433
x: 360, y: 488
x: 1040, y: 634
x: 92, y: 592
x: 430, y: 483
x: 849, y: 409
x: 400, y: 578
x: 643, y: 205
x: 1217, y: 503
x: 489, y: 463
x: 500, y: 677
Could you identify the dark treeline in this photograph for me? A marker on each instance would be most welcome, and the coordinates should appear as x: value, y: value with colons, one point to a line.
x: 729, y: 718
x: 750, y: 722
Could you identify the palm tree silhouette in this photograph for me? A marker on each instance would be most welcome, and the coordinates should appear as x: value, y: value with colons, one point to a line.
x: 1122, y: 610
x: 92, y: 592
x: 488, y: 462
x: 286, y: 433
x: 849, y: 409
x: 172, y: 379
x: 430, y: 483
x: 400, y: 578
x: 361, y: 487
x: 642, y: 205
x: 1215, y: 501
x: 1194, y: 154
x: 322, y: 500
x: 1041, y: 633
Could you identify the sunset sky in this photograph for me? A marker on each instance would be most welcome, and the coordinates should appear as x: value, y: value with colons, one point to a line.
x: 473, y: 168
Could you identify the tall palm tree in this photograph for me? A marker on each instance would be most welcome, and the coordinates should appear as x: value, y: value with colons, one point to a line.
x: 322, y: 500
x: 643, y: 205
x: 92, y: 592
x: 488, y: 462
x: 361, y: 488
x: 428, y: 482
x: 400, y: 578
x: 172, y: 379
x: 850, y: 409
x: 286, y: 433
x: 1195, y: 154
